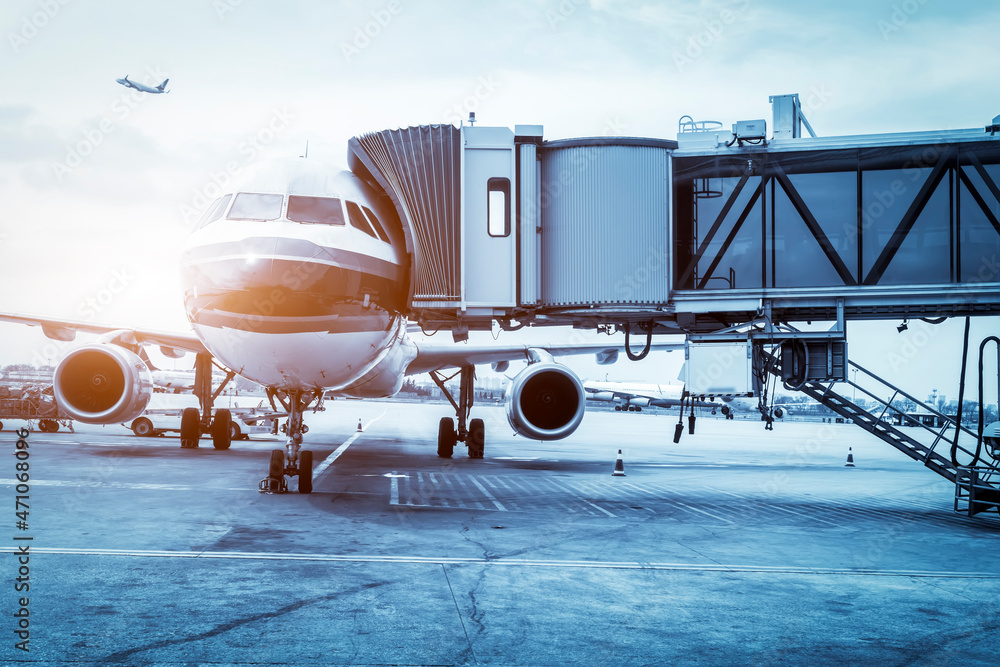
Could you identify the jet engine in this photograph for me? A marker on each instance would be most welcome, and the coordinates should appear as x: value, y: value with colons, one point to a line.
x: 545, y: 401
x: 102, y: 384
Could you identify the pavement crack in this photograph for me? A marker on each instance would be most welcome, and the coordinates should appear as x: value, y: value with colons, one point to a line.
x: 226, y: 627
x: 461, y: 620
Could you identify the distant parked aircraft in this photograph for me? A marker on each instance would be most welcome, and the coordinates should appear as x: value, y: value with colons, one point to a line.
x: 634, y: 396
x: 144, y: 89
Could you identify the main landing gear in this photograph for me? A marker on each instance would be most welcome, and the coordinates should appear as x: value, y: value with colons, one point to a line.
x: 291, y: 460
x: 470, y: 431
x: 194, y: 423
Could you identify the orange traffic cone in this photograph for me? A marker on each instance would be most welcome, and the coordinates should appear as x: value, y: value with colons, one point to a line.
x: 850, y: 459
x: 359, y: 425
x: 619, y: 466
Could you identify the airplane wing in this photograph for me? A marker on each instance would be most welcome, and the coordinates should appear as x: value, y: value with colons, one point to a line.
x: 432, y: 357
x: 65, y: 330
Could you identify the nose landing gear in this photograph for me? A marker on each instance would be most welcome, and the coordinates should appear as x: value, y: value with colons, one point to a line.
x: 291, y: 461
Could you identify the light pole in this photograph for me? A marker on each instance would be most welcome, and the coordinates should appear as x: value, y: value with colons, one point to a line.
x: 854, y: 385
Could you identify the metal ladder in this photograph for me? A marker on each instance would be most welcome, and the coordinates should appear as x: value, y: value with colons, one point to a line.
x: 976, y: 487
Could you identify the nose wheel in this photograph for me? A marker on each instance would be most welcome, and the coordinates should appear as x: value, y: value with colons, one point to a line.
x: 292, y: 461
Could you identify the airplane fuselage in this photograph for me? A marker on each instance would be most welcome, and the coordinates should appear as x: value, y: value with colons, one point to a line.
x: 128, y: 83
x: 291, y: 283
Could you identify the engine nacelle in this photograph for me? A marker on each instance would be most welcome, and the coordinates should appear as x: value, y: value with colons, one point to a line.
x: 102, y: 384
x: 545, y: 401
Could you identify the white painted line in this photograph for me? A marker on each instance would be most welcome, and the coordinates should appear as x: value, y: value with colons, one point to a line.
x: 579, y: 497
x: 79, y: 483
x: 489, y: 495
x: 318, y: 470
x: 446, y: 560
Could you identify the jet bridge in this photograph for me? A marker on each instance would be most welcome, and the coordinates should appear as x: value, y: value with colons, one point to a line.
x: 725, y: 236
x: 695, y: 235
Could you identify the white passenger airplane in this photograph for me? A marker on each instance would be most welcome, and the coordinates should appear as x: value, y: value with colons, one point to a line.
x: 128, y: 83
x: 298, y: 280
x: 634, y: 396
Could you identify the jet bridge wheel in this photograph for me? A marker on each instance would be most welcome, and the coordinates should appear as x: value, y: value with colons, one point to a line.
x: 305, y: 472
x: 221, y: 431
x: 446, y: 437
x: 190, y: 428
x: 477, y: 439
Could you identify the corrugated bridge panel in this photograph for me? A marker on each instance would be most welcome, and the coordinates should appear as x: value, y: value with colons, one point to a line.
x: 605, y: 206
x: 420, y: 170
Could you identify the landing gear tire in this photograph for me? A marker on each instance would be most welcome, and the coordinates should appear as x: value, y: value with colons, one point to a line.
x: 276, y: 468
x: 477, y: 438
x: 142, y: 427
x: 234, y: 432
x: 221, y: 431
x: 305, y: 472
x: 190, y: 428
x: 446, y: 437
x: 48, y: 426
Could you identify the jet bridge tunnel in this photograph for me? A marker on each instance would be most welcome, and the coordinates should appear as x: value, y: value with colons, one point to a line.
x: 695, y: 235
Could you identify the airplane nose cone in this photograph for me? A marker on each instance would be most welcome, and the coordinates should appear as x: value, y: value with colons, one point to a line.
x: 285, y: 280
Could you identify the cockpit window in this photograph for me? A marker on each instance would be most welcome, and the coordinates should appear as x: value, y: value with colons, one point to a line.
x: 252, y: 206
x: 358, y: 219
x: 320, y: 210
x: 214, y: 212
x: 376, y: 224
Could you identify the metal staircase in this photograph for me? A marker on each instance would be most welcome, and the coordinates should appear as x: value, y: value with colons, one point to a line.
x: 977, y: 485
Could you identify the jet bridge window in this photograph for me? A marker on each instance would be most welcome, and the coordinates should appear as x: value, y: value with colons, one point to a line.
x: 214, y: 212
x: 498, y: 206
x: 253, y: 206
x: 319, y: 210
x: 358, y: 220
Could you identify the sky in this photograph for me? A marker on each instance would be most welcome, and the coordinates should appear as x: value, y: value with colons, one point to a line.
x: 100, y: 185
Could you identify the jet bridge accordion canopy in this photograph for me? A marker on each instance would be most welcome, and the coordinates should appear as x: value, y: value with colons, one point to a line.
x: 419, y: 168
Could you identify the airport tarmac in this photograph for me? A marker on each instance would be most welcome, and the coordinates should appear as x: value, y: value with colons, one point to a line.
x: 737, y: 546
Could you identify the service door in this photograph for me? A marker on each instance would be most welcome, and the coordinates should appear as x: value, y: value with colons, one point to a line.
x: 488, y: 196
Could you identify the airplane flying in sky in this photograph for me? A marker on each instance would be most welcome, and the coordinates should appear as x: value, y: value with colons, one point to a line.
x: 298, y: 280
x: 145, y: 89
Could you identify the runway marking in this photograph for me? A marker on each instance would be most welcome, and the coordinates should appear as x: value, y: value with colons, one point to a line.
x: 75, y: 483
x: 489, y: 495
x: 581, y: 498
x: 318, y: 470
x: 533, y: 563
